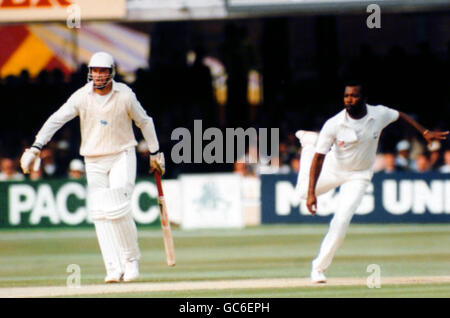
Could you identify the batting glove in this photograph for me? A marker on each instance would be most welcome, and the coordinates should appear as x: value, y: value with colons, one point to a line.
x: 28, y: 159
x: 158, y: 163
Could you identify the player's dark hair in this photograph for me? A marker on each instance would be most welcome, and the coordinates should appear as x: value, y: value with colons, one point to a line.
x: 354, y: 82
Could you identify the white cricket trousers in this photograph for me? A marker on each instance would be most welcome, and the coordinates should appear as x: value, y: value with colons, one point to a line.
x: 111, y: 180
x: 351, y: 193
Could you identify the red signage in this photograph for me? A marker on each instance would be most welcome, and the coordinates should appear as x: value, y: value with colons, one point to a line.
x: 29, y: 4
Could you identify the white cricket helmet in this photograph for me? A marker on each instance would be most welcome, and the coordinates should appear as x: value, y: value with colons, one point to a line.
x: 102, y: 59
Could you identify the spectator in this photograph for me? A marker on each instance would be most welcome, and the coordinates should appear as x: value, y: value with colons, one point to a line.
x: 445, y: 168
x: 240, y: 168
x: 76, y: 169
x: 402, y: 159
x: 295, y: 165
x: 245, y: 165
x: 49, y: 166
x: 284, y: 155
x: 63, y: 152
x: 435, y: 155
x: 9, y: 171
x: 274, y: 166
x: 422, y: 163
x: 389, y: 163
x: 36, y: 174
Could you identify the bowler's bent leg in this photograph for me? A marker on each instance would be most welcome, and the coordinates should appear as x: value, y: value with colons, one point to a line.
x: 350, y: 196
x: 307, y: 140
x: 328, y: 179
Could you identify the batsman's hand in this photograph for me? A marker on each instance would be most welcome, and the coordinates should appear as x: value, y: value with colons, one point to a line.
x: 311, y: 203
x: 158, y: 163
x: 28, y: 158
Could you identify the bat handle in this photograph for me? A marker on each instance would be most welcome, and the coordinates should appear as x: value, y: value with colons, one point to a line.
x: 158, y: 184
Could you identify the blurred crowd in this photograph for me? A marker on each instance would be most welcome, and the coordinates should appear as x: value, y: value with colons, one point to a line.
x: 409, y: 156
x: 48, y: 170
x: 176, y: 91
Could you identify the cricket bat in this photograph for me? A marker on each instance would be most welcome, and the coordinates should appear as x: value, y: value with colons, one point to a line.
x: 165, y: 224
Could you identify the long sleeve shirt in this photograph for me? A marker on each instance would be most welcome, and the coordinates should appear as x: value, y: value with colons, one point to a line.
x: 106, y: 126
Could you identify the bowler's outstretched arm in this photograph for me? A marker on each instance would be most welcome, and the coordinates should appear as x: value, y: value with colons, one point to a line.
x: 427, y: 134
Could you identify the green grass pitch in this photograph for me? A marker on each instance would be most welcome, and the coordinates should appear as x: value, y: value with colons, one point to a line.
x: 41, y: 258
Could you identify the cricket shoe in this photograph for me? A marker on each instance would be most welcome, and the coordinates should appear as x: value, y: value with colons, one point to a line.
x: 131, y: 271
x: 318, y: 277
x: 113, y: 277
x: 307, y: 138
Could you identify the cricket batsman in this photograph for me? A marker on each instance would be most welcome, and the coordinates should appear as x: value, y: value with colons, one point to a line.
x: 343, y: 154
x: 106, y: 110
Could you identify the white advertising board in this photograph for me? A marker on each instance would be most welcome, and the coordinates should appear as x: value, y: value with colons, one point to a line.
x: 211, y: 201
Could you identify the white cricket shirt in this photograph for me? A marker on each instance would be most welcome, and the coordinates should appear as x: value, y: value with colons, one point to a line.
x: 105, y: 123
x: 354, y: 142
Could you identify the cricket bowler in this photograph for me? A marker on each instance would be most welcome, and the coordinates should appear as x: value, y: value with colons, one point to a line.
x: 106, y: 110
x: 343, y: 154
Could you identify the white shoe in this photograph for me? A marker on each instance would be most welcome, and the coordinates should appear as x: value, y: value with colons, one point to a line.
x: 113, y: 277
x: 307, y: 137
x: 318, y: 277
x: 131, y: 271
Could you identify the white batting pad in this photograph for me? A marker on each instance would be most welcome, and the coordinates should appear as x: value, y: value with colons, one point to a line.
x: 108, y: 245
x: 125, y: 232
x: 94, y: 204
x: 116, y: 202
